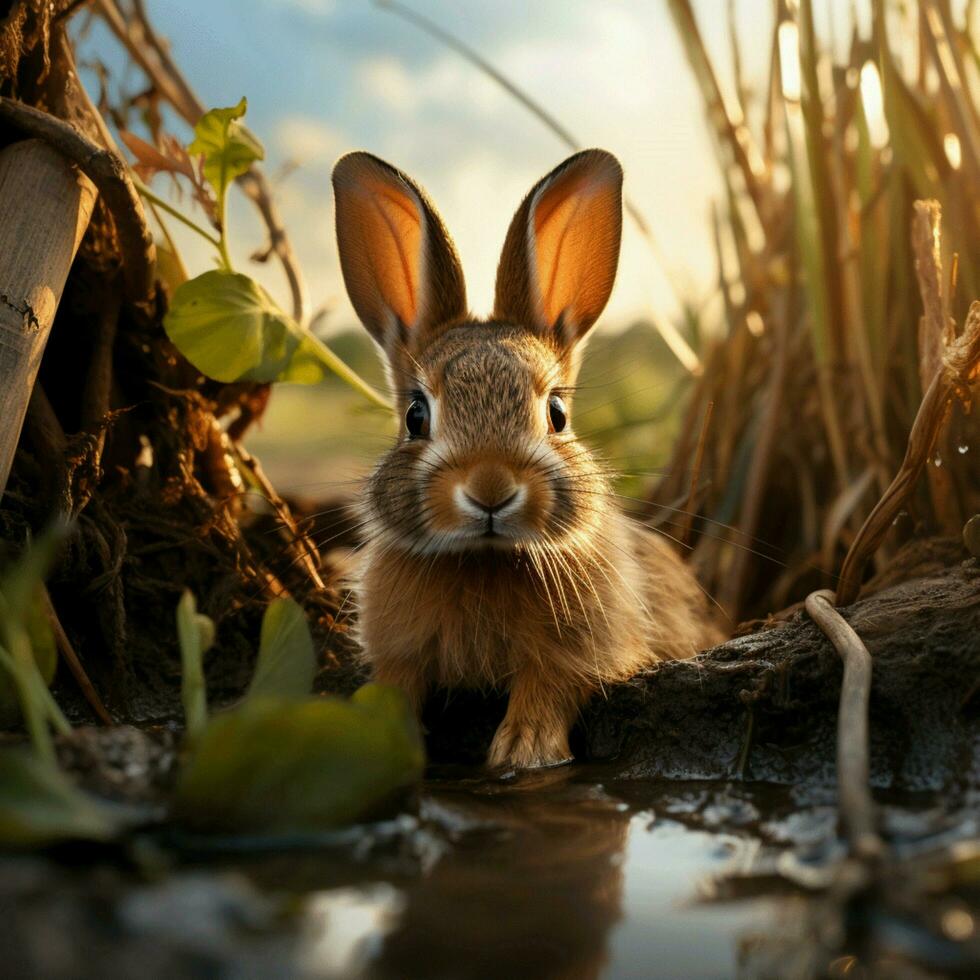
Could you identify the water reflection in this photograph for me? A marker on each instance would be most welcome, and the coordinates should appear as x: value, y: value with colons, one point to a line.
x: 343, y: 929
x: 532, y: 887
x: 562, y: 874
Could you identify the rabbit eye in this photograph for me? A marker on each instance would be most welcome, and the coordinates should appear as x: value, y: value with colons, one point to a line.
x: 417, y: 417
x: 557, y: 414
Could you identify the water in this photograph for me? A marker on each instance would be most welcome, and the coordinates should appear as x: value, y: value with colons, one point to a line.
x: 566, y: 873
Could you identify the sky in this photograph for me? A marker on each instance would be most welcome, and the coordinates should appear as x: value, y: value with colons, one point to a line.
x: 323, y: 77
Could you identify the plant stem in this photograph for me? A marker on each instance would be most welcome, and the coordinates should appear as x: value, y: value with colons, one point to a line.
x: 193, y: 690
x: 222, y: 209
x: 223, y: 251
x: 32, y: 709
x: 168, y: 238
x: 346, y: 374
x: 171, y: 210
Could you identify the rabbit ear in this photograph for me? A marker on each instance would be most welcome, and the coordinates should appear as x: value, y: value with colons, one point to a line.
x: 559, y: 260
x: 399, y: 264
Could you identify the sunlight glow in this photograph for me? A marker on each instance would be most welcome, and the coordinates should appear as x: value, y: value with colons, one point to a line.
x: 954, y: 152
x: 874, y: 105
x: 789, y: 60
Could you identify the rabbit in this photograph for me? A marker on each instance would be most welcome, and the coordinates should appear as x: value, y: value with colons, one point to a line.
x: 495, y: 555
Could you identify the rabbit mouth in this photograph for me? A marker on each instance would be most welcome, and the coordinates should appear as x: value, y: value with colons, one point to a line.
x: 492, y: 504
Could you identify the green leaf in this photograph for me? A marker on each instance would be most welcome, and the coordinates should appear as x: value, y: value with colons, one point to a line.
x: 230, y: 329
x: 45, y: 653
x: 195, y: 634
x: 281, y: 766
x: 286, y: 661
x: 26, y: 644
x: 39, y: 805
x: 228, y: 148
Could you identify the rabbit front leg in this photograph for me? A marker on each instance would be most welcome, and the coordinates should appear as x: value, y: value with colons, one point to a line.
x: 540, y: 714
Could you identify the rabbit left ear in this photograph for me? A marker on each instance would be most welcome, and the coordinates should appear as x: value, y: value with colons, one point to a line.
x: 559, y: 259
x: 398, y: 261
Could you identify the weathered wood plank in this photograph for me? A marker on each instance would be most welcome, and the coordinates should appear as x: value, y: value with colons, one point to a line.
x: 45, y: 206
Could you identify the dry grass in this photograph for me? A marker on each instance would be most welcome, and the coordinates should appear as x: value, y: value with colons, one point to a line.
x: 840, y: 295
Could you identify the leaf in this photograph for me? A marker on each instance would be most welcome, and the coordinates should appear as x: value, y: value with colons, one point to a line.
x: 40, y: 806
x: 151, y: 160
x: 195, y: 634
x: 280, y: 766
x: 170, y: 157
x: 45, y: 654
x: 286, y: 663
x: 230, y: 329
x: 228, y: 148
x: 26, y: 644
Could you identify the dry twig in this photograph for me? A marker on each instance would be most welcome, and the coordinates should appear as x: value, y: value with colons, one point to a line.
x: 306, y: 552
x: 960, y: 367
x: 857, y: 811
x: 684, y: 534
x: 70, y: 657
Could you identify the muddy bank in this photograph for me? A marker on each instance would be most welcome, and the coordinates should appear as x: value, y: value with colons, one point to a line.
x: 764, y: 706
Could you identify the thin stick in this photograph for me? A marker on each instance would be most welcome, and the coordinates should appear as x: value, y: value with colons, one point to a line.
x: 688, y: 520
x: 70, y: 657
x: 307, y: 556
x: 857, y: 809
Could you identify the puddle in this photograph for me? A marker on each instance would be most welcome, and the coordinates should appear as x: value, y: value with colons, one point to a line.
x: 558, y: 874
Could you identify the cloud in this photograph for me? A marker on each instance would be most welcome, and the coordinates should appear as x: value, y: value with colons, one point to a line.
x: 305, y: 140
x: 386, y: 80
x: 318, y: 8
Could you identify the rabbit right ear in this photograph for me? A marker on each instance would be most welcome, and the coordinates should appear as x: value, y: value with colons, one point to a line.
x: 399, y: 265
x: 559, y: 260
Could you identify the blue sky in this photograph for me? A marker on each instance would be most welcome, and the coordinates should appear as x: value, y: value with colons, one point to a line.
x: 326, y: 76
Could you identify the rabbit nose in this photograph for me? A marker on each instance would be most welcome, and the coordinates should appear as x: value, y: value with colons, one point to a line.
x: 490, y: 488
x: 490, y: 508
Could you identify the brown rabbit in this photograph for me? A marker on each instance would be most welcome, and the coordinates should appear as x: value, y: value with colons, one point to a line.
x: 495, y: 553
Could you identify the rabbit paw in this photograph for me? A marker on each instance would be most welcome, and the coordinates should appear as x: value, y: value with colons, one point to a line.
x: 521, y: 746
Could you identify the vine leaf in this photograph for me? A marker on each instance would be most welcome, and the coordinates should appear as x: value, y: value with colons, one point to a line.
x: 280, y: 766
x: 230, y: 328
x: 227, y: 146
x: 286, y: 663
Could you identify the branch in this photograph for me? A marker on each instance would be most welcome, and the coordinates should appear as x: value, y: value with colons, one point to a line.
x: 71, y: 658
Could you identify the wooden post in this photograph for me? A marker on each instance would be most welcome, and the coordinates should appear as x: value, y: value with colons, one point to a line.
x: 45, y: 206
